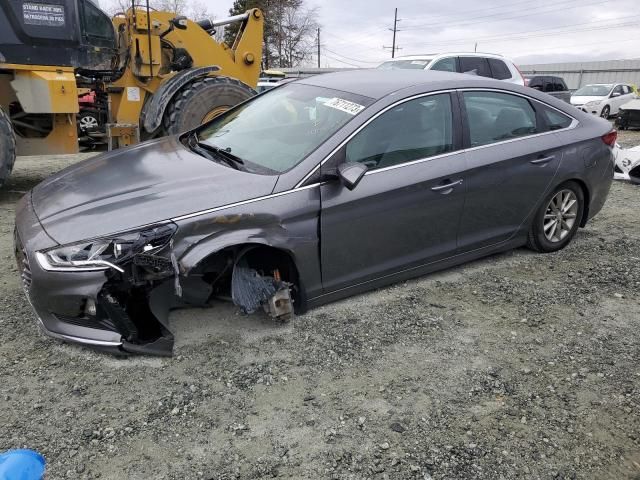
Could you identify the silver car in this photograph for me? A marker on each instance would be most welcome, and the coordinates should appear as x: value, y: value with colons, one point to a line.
x: 317, y: 190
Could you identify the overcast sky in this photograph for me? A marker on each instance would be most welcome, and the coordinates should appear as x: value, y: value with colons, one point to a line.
x: 353, y: 32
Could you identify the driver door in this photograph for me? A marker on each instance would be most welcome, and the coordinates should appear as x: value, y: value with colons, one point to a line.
x: 405, y: 211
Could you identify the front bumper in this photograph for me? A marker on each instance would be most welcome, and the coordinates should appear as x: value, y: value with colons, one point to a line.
x: 594, y: 111
x: 58, y: 298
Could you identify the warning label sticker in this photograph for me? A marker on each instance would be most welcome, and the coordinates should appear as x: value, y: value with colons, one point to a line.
x: 345, y: 105
x: 43, y: 14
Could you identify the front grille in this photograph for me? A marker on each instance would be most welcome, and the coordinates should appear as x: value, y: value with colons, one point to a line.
x: 22, y: 262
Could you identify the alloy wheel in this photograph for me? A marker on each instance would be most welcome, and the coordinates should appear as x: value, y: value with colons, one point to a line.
x: 560, y: 215
x: 88, y: 123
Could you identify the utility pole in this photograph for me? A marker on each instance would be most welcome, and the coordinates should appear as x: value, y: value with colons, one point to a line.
x: 394, y: 30
x: 318, y: 47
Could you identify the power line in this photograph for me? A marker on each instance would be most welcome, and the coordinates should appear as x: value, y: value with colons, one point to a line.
x: 525, y: 35
x: 341, y: 61
x: 530, y: 11
x: 466, y: 12
x: 351, y: 58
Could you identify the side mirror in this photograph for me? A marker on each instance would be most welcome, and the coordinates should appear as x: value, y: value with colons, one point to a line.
x: 350, y: 173
x: 179, y: 22
x: 615, y: 94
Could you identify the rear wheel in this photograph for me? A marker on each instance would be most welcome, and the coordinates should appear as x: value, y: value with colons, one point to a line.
x: 558, y: 219
x: 7, y: 147
x: 201, y: 101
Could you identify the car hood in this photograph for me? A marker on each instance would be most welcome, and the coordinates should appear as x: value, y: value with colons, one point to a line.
x: 632, y: 105
x: 581, y: 100
x: 136, y: 186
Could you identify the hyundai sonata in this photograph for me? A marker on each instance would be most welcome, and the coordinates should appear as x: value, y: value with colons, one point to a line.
x: 316, y: 190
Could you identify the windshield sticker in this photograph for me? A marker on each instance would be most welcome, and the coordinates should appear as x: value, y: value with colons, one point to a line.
x: 418, y: 62
x: 43, y: 14
x: 345, y: 106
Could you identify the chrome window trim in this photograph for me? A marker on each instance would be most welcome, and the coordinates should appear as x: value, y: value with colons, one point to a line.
x: 574, y: 123
x: 508, y: 92
x: 365, y: 124
x: 299, y: 186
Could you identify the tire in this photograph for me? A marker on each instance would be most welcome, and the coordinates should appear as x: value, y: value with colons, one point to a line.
x: 202, y: 100
x: 7, y: 147
x: 606, y: 111
x: 544, y: 238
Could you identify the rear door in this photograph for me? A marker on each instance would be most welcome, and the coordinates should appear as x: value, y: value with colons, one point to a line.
x: 405, y: 211
x: 512, y: 159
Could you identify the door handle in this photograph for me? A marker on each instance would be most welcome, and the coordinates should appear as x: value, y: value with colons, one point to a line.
x: 542, y: 161
x: 446, y: 186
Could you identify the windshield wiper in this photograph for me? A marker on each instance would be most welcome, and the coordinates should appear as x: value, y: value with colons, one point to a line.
x: 206, y: 150
x: 223, y: 152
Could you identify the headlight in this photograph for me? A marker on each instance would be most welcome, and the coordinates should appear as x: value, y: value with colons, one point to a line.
x: 106, y: 252
x: 592, y: 104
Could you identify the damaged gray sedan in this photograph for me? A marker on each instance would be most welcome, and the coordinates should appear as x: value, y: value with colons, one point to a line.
x: 314, y: 191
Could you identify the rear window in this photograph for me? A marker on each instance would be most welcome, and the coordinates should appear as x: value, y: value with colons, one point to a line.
x: 555, y: 119
x: 405, y: 64
x: 499, y: 69
x: 477, y: 65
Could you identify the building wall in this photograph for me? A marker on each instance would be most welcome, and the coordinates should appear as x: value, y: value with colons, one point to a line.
x: 578, y: 74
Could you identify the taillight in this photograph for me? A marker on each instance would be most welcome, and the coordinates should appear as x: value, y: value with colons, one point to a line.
x: 524, y: 80
x: 610, y: 138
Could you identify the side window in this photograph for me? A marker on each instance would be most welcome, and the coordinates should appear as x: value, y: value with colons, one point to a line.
x: 493, y: 117
x: 555, y: 119
x: 537, y: 83
x: 477, y: 65
x: 445, y: 65
x: 561, y: 85
x: 416, y: 129
x: 618, y: 89
x: 499, y: 69
x: 626, y: 89
x: 95, y: 22
x: 548, y: 84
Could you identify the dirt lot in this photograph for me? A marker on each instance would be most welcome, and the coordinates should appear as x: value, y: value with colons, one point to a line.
x: 516, y: 366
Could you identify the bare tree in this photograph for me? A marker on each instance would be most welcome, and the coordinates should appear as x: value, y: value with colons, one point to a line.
x: 193, y: 10
x: 298, y: 30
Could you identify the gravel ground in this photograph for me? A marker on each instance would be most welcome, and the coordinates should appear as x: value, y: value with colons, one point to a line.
x: 516, y: 366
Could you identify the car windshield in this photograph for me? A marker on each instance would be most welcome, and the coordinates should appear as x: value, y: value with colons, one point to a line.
x: 593, y: 91
x: 419, y: 64
x: 278, y: 129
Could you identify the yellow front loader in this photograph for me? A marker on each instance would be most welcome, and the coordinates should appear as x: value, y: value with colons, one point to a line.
x: 149, y: 73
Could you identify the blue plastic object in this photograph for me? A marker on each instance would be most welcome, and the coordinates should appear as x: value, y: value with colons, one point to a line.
x: 21, y: 465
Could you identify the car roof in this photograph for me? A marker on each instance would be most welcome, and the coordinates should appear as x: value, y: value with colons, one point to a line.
x: 424, y: 56
x: 375, y: 83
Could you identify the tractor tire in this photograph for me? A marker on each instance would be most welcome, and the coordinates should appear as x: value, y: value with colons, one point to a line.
x: 201, y: 101
x: 7, y: 147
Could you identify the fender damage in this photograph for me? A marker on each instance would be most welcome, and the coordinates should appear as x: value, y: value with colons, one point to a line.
x: 223, y: 258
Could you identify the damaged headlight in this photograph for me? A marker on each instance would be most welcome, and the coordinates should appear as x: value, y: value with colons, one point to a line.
x: 106, y: 252
x: 593, y: 103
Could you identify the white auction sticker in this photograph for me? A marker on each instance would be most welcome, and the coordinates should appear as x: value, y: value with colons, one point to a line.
x: 345, y: 106
x: 418, y: 62
x: 133, y: 94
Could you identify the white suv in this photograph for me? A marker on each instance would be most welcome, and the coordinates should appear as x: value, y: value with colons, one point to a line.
x: 484, y: 64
